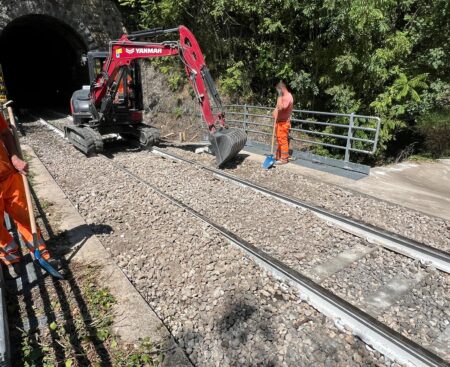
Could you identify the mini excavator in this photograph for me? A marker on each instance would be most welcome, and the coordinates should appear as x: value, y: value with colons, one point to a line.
x: 113, y: 102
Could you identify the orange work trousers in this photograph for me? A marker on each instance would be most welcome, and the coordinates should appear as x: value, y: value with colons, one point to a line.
x: 282, y: 133
x: 13, y: 202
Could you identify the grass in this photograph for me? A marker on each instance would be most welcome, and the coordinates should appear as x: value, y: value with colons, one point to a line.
x: 421, y: 158
x: 45, y: 205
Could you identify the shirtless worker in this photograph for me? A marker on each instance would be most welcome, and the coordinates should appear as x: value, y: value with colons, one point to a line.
x: 282, y: 114
x: 13, y: 202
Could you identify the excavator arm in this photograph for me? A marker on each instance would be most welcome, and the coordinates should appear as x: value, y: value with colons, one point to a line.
x: 129, y: 48
x: 225, y: 143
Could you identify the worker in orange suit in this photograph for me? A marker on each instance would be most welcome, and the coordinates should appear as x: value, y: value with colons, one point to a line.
x: 120, y: 94
x: 13, y: 201
x: 282, y: 114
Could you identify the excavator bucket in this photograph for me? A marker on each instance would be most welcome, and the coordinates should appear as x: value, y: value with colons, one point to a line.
x: 226, y: 144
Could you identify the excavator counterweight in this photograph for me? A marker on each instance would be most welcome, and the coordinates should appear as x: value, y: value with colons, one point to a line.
x: 113, y: 102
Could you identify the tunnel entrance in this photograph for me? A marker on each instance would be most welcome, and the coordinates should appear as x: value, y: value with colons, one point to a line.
x: 41, y: 61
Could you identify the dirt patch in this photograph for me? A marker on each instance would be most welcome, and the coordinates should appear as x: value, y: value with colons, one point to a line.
x: 173, y: 110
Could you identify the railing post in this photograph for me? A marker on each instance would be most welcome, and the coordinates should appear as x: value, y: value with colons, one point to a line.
x: 349, y: 138
x: 245, y: 117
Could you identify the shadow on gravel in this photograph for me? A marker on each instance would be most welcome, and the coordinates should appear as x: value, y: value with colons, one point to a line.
x: 44, y: 313
x: 62, y: 242
x: 236, y: 162
x: 239, y: 321
x: 78, y: 235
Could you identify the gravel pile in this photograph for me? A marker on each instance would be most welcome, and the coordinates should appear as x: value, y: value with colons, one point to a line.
x: 221, y: 307
x: 430, y: 230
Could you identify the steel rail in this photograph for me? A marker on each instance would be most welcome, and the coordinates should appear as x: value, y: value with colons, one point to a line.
x: 366, y: 327
x: 392, y: 241
x: 370, y: 330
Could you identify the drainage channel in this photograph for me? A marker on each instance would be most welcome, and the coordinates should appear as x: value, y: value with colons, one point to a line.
x: 394, y: 242
x: 371, y: 331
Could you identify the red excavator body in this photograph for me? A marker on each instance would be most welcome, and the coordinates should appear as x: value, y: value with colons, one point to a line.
x: 113, y: 101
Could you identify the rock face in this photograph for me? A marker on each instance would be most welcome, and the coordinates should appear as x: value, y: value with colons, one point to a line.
x: 95, y: 22
x: 173, y: 112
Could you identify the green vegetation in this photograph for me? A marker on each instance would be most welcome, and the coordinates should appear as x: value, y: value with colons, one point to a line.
x: 79, y: 314
x: 435, y: 126
x: 383, y: 57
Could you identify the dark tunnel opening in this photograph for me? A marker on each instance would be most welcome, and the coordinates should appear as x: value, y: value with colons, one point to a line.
x: 41, y: 62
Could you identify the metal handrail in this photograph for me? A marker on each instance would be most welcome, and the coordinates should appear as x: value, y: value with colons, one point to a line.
x: 311, y: 132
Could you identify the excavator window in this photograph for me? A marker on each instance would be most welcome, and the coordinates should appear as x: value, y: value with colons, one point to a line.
x: 125, y: 94
x: 98, y: 65
x: 96, y: 60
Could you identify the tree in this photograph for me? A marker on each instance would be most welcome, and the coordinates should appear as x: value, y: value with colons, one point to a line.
x: 384, y: 57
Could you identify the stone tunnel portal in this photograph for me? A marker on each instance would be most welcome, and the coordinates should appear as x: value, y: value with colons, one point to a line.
x: 41, y: 60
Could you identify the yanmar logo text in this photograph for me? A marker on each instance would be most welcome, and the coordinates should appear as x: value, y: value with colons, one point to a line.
x: 148, y: 50
x: 141, y: 51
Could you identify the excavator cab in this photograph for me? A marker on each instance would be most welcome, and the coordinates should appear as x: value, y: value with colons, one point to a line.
x: 95, y: 61
x: 127, y: 102
x: 128, y: 94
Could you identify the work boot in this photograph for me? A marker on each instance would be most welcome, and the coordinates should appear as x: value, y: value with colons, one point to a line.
x: 12, y: 271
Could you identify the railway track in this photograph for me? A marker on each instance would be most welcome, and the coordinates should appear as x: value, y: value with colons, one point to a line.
x: 419, y: 251
x: 392, y: 241
x: 368, y: 328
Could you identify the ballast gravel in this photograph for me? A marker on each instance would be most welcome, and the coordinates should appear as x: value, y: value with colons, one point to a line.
x: 425, y: 321
x: 421, y: 227
x: 221, y: 307
x: 296, y: 237
x: 421, y: 313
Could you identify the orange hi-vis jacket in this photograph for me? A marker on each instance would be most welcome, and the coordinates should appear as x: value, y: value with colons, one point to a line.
x: 13, y: 202
x: 6, y: 167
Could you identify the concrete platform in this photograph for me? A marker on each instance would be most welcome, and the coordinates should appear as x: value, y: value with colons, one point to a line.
x: 421, y: 186
x: 424, y: 186
x: 135, y: 319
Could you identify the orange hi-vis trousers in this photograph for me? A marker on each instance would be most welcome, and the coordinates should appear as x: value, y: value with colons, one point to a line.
x: 13, y: 202
x: 282, y: 133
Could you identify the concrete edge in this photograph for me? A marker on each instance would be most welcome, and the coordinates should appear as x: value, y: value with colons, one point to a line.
x: 134, y: 318
x: 327, y: 164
